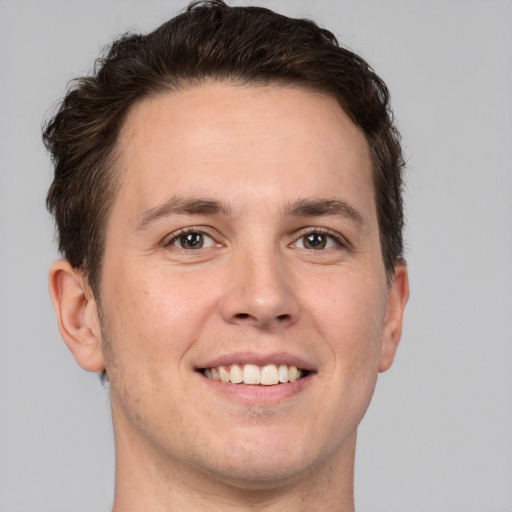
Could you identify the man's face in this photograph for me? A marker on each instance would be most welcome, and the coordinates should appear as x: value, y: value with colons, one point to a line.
x: 244, y: 233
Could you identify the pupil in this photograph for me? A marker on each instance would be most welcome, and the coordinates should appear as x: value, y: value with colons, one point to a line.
x: 192, y: 241
x: 316, y: 241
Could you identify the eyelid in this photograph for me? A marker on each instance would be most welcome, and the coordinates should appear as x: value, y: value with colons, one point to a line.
x: 171, y: 238
x: 338, y: 238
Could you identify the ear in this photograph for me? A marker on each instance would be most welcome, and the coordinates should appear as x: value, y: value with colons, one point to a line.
x: 77, y: 315
x: 398, y: 295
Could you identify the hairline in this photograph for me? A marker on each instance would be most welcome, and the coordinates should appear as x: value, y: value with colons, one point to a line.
x: 112, y: 165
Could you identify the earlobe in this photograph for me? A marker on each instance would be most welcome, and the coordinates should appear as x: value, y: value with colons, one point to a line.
x: 398, y: 295
x: 77, y: 315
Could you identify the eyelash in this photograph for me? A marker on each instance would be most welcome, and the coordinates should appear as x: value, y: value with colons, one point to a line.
x: 175, y: 237
x: 338, y: 239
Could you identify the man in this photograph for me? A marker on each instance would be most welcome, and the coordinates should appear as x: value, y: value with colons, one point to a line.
x: 228, y: 198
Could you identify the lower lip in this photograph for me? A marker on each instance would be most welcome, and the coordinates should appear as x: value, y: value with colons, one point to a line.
x: 258, y: 394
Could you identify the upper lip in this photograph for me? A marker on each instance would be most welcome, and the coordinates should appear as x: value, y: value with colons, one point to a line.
x: 258, y: 359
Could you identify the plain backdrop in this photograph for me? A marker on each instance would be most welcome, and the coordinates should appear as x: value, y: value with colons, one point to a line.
x: 438, y: 435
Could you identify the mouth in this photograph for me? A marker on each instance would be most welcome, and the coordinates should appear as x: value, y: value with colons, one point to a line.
x: 252, y: 374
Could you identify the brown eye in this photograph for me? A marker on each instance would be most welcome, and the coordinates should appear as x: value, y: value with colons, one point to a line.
x: 315, y: 241
x: 191, y: 241
x: 318, y: 241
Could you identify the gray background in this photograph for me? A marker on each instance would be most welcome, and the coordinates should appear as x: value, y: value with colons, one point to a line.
x: 438, y: 435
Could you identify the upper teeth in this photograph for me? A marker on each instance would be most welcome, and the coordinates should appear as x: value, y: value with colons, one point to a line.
x: 267, y: 375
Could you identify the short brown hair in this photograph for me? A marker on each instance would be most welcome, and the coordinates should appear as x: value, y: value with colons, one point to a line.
x: 209, y: 41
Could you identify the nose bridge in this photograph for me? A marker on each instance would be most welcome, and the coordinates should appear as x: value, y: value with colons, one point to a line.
x: 261, y: 291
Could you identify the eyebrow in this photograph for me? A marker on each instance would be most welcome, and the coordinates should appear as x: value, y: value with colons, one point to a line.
x: 324, y: 207
x: 183, y: 206
x: 204, y: 206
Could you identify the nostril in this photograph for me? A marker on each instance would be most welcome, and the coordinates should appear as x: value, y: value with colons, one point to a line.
x: 242, y: 316
x: 283, y: 317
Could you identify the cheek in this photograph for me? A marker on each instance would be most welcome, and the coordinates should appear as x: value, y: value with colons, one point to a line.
x: 157, y: 314
x: 350, y: 316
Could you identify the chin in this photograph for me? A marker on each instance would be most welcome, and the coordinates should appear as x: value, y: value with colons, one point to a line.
x: 263, y: 474
x: 269, y: 461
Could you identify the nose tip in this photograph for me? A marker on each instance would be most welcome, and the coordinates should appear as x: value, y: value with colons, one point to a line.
x: 260, y: 295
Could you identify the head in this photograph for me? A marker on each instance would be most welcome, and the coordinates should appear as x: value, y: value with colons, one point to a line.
x: 209, y: 42
x: 229, y: 187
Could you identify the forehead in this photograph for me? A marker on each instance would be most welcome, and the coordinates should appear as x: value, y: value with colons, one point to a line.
x: 241, y: 140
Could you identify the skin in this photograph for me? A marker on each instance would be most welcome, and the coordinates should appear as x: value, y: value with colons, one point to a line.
x: 255, y: 290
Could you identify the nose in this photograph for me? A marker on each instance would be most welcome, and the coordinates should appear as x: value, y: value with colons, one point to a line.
x: 260, y: 292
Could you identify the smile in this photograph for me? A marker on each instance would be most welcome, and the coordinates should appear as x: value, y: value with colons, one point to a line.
x: 268, y: 375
